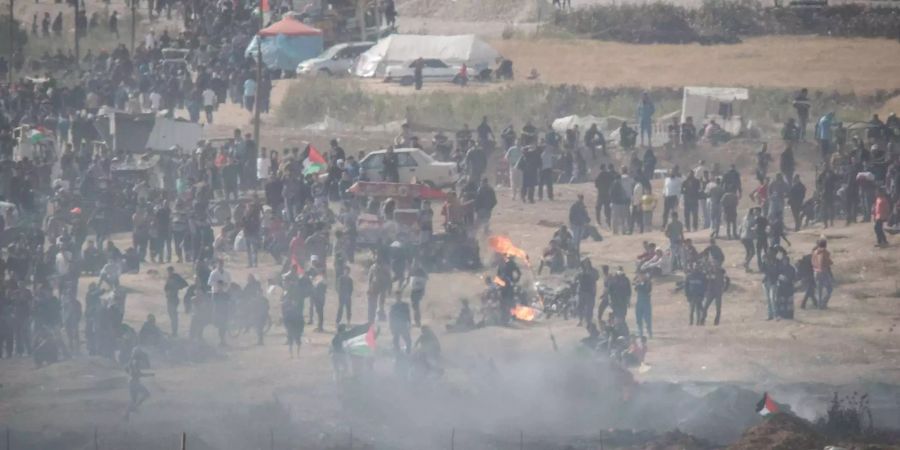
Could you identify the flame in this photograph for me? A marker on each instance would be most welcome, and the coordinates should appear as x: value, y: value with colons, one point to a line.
x: 503, y: 245
x: 525, y: 313
x: 499, y: 281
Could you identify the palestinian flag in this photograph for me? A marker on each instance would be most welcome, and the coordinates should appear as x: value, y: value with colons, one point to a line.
x: 766, y: 406
x: 37, y: 134
x: 361, y: 341
x: 314, y: 162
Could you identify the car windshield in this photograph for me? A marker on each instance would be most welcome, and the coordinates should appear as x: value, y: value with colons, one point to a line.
x: 333, y: 50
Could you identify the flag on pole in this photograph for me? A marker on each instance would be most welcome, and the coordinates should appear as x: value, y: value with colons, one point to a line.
x: 314, y: 162
x: 362, y: 342
x: 767, y: 406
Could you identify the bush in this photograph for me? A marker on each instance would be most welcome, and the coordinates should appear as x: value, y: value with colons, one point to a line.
x: 726, y: 21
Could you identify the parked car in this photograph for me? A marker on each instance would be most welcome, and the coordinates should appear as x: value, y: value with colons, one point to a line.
x: 413, y: 163
x: 433, y: 70
x: 335, y: 61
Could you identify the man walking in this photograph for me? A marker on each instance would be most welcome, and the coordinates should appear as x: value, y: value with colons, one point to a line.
x: 578, y: 221
x: 821, y: 262
x: 174, y: 283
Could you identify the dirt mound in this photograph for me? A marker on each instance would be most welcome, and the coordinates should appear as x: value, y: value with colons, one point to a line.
x: 780, y: 432
x: 722, y: 415
x: 508, y: 10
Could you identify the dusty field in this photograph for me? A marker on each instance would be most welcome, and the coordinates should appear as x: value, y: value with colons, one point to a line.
x: 860, y: 65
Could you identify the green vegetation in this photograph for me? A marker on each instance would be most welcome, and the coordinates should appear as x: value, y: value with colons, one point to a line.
x: 311, y: 100
x: 726, y: 21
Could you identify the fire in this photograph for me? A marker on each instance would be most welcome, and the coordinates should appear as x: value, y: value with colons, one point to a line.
x: 504, y: 246
x: 524, y: 313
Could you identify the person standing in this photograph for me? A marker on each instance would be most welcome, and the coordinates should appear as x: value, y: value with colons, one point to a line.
x: 578, y: 221
x: 418, y: 67
x: 586, y: 285
x: 690, y: 190
x: 417, y: 280
x: 603, y: 183
x: 643, y: 310
x: 796, y: 196
x: 485, y: 201
x: 344, y: 289
x: 546, y: 175
x: 400, y: 326
x: 882, y: 213
x: 174, y: 283
x: 671, y: 190
x: 821, y: 262
x: 220, y: 281
x: 513, y: 155
x: 824, y: 134
x: 801, y: 105
x: 379, y: 283
x: 645, y: 112
x: 210, y: 101
x: 675, y: 232
x: 695, y: 290
x: 319, y: 292
x: 715, y: 286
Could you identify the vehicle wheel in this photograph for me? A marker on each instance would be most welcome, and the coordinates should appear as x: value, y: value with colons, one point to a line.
x: 325, y: 72
x: 407, y: 81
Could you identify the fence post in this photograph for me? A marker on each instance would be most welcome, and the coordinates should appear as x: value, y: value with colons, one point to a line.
x: 183, y: 440
x: 453, y: 439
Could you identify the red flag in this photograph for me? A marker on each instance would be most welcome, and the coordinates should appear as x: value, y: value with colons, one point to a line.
x: 314, y: 156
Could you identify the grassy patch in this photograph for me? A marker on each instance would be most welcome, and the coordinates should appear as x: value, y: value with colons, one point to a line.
x: 311, y: 100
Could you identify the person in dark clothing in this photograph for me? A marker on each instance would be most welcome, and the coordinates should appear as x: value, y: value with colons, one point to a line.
x: 510, y: 274
x: 852, y: 193
x: 345, y: 294
x: 296, y: 290
x: 390, y: 169
x: 695, y: 290
x: 586, y: 285
x: 690, y: 190
x: 807, y: 276
x: 174, y: 283
x: 787, y: 163
x: 399, y: 321
x: 603, y: 183
x: 530, y: 165
x: 828, y: 185
x: 418, y: 67
x: 762, y: 239
x: 619, y: 294
x: 579, y: 220
x: 796, y: 197
x: 801, y: 105
x: 485, y: 201
x: 319, y: 290
x: 715, y: 287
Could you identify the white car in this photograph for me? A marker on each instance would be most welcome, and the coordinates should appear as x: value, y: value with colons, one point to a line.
x: 335, y: 61
x: 412, y: 163
x: 433, y: 70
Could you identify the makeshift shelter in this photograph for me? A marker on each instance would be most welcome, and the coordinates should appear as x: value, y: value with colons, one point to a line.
x: 287, y: 43
x: 722, y: 104
x: 400, y: 49
x: 141, y: 132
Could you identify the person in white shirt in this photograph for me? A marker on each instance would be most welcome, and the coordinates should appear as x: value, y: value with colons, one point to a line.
x: 219, y: 278
x: 671, y: 191
x: 219, y: 281
x: 155, y: 100
x: 636, y: 213
x: 209, y: 103
x: 513, y: 155
x: 263, y: 166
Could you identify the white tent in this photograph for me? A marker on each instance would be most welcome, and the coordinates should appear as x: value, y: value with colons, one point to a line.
x: 398, y: 49
x: 721, y: 104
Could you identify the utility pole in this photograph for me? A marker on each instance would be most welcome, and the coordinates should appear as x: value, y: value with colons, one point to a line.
x: 133, y: 24
x: 12, y: 41
x: 257, y: 102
